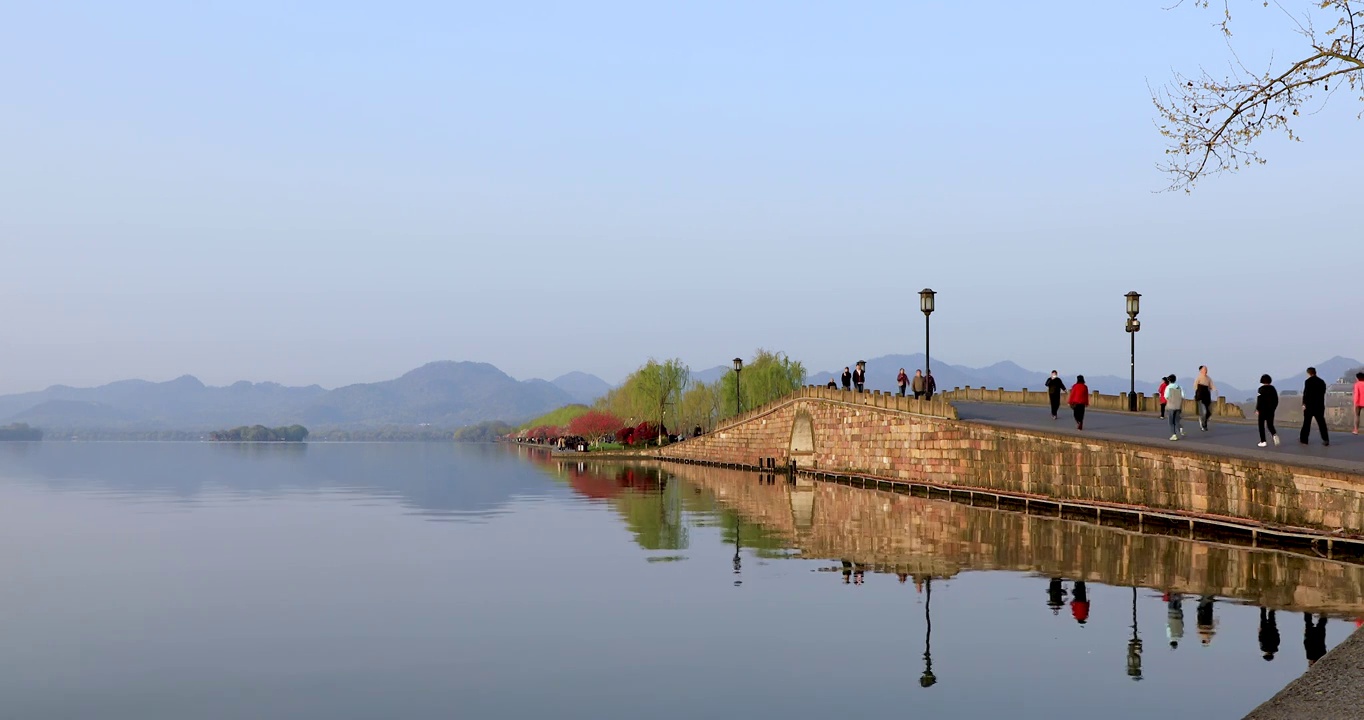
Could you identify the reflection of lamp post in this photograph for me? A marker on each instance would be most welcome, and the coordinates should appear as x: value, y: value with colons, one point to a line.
x: 738, y: 561
x: 1133, y: 327
x: 738, y: 366
x: 1134, y: 645
x: 926, y: 305
x: 928, y: 678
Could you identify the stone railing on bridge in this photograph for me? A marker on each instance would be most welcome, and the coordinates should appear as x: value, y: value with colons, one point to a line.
x: 938, y: 407
x: 1097, y: 401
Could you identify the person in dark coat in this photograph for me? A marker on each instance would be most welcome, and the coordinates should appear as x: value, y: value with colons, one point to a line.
x: 847, y: 378
x: 1055, y: 386
x: 930, y: 385
x: 1314, y: 638
x: 1266, y: 402
x: 859, y: 377
x: 1314, y: 407
x: 1269, y: 634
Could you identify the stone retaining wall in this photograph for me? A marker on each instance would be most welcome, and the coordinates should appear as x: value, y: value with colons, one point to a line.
x: 895, y: 532
x: 874, y: 437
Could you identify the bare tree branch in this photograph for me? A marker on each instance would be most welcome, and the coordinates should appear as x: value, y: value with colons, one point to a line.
x: 1211, y: 123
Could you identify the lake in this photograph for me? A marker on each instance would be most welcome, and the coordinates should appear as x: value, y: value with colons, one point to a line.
x: 195, y: 580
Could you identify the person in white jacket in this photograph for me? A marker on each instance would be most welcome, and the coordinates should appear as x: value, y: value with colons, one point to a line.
x: 1174, y: 400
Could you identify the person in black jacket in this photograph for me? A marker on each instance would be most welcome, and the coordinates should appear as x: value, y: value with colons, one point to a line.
x: 859, y: 377
x: 1266, y: 402
x: 1314, y: 407
x: 847, y: 378
x: 1055, y: 386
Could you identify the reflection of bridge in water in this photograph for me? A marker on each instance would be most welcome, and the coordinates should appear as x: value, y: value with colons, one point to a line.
x: 900, y: 533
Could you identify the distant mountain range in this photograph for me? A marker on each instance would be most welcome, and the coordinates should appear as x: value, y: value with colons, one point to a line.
x: 443, y: 394
x: 451, y: 394
x: 881, y: 374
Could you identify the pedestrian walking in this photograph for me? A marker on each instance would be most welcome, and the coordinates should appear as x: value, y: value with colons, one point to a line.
x: 860, y: 376
x: 1266, y: 402
x: 1174, y: 395
x: 1174, y: 618
x: 1314, y: 407
x: 1314, y: 638
x: 918, y: 384
x: 1204, y: 389
x: 1079, y: 602
x: 902, y: 380
x: 1055, y: 386
x: 930, y: 385
x: 1269, y: 634
x: 1203, y: 614
x: 1161, y: 393
x: 847, y: 378
x: 1359, y: 398
x: 1079, y: 400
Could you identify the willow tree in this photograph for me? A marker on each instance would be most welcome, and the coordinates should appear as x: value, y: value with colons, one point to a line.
x: 648, y: 392
x: 1212, y: 122
x: 765, y: 378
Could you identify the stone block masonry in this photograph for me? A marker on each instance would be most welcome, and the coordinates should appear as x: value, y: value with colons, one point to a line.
x: 916, y: 441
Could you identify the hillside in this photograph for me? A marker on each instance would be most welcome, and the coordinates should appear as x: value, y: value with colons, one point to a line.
x: 445, y: 394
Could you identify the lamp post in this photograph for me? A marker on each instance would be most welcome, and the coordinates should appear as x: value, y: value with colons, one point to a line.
x: 738, y: 367
x: 1133, y: 327
x: 926, y: 305
x: 1134, y: 645
x: 928, y: 679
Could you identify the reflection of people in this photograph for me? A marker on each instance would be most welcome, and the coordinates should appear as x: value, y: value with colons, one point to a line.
x: 1314, y: 638
x: 1206, y: 624
x: 1269, y: 634
x: 847, y: 572
x: 1056, y: 596
x: 1174, y: 618
x: 903, y: 577
x: 1079, y: 603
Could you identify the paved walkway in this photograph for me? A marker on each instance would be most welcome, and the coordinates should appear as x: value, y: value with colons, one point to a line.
x: 1222, y: 438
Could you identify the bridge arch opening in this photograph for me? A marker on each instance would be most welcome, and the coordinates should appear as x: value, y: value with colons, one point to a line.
x: 803, y: 439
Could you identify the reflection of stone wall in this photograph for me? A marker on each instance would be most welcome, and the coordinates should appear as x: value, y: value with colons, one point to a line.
x: 881, y: 441
x: 917, y: 535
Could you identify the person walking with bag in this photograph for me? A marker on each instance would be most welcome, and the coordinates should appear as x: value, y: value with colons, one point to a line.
x: 1174, y: 396
x: 902, y: 380
x: 1266, y: 402
x: 1204, y: 389
x: 1055, y: 386
x: 1314, y: 407
x: 1160, y: 392
x: 1079, y: 400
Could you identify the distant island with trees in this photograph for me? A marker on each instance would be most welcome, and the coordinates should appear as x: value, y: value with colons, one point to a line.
x: 20, y: 431
x: 260, y: 433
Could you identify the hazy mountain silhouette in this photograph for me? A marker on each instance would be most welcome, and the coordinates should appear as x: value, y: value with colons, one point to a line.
x: 881, y: 374
x: 444, y: 394
x: 582, y: 387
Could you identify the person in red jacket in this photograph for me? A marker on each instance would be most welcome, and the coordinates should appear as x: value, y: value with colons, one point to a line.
x: 1164, y: 383
x: 1079, y: 400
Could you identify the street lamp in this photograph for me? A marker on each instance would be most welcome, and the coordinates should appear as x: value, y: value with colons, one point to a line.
x: 1133, y: 327
x: 1134, y: 645
x: 738, y: 367
x: 928, y: 679
x: 926, y: 305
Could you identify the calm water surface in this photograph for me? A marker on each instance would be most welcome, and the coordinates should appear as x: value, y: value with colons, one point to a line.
x: 180, y: 580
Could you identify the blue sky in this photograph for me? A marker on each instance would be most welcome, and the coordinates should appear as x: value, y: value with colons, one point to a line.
x: 338, y: 192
